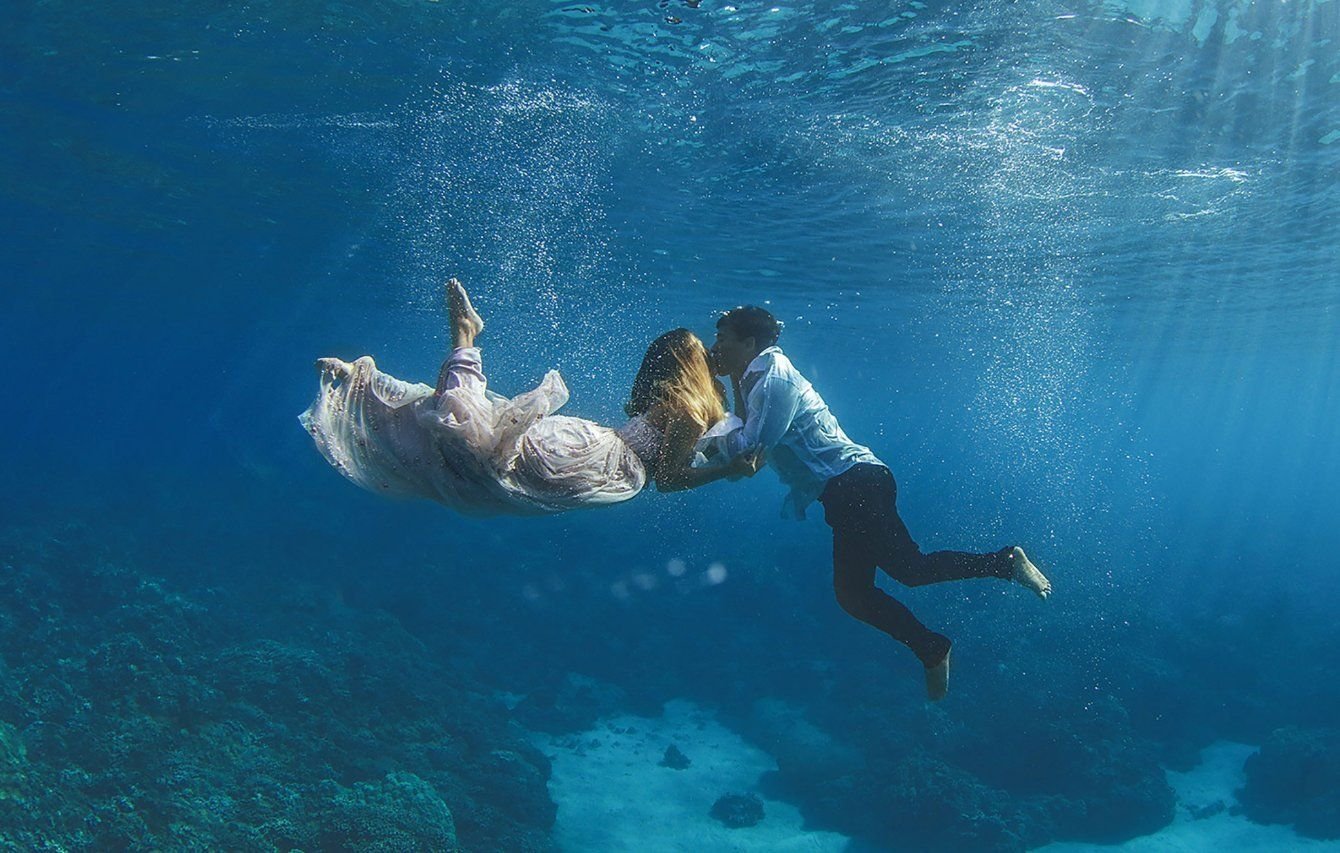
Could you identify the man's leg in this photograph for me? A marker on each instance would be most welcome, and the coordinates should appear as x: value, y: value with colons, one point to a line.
x: 854, y: 584
x: 901, y: 558
x: 855, y: 553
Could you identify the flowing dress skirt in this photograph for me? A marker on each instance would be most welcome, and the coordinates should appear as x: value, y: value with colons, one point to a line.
x: 466, y: 447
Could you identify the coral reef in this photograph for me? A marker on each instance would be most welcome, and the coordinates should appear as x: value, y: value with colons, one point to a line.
x: 135, y: 714
x: 229, y: 704
x: 398, y: 812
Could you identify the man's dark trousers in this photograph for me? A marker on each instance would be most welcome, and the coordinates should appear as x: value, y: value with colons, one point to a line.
x: 860, y: 505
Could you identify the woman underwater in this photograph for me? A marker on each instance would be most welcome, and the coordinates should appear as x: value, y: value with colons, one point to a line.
x: 483, y: 454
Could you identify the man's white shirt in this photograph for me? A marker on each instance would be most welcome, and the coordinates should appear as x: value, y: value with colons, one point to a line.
x: 787, y: 419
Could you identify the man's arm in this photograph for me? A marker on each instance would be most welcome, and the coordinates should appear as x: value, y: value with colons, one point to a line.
x: 772, y: 406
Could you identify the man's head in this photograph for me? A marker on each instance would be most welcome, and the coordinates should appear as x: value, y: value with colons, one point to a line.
x: 743, y: 333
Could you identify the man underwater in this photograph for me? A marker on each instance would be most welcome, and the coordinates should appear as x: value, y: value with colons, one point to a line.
x: 790, y: 425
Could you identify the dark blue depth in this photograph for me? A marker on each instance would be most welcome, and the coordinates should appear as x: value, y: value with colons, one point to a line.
x: 1070, y: 270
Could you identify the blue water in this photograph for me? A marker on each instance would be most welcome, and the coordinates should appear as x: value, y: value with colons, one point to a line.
x: 1071, y: 269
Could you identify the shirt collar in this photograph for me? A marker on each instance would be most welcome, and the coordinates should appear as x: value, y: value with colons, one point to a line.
x: 758, y: 363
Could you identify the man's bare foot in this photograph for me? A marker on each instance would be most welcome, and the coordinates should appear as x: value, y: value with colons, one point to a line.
x: 937, y: 679
x: 465, y: 320
x: 1027, y: 574
x: 335, y: 367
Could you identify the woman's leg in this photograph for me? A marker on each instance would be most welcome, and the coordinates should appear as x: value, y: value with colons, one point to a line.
x: 466, y: 323
x: 464, y: 368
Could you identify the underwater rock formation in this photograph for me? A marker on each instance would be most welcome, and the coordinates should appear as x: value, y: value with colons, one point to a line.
x: 1085, y: 767
x: 135, y: 715
x: 918, y: 802
x: 738, y: 811
x: 1295, y: 778
x: 675, y: 759
x: 999, y: 778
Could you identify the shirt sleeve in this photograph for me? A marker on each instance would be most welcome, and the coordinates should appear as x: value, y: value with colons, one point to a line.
x: 771, y: 405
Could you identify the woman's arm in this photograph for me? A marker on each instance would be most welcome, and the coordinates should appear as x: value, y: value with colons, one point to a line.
x: 674, y: 472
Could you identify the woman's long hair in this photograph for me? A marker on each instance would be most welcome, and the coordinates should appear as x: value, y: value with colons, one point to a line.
x: 675, y: 371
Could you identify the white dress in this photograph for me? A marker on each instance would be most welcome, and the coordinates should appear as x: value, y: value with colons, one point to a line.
x: 466, y: 447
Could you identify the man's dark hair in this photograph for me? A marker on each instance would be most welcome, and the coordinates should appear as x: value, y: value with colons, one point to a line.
x: 751, y: 321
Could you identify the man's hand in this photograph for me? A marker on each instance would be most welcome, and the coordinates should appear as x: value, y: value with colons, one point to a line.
x: 757, y: 460
x: 748, y: 464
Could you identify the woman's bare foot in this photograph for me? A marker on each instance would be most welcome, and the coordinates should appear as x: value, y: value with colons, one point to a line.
x: 1027, y: 574
x: 466, y: 323
x: 937, y: 679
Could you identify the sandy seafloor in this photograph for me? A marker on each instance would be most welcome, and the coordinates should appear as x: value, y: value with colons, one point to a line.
x: 614, y: 795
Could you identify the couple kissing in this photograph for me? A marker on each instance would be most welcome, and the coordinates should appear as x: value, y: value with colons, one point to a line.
x: 481, y: 453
